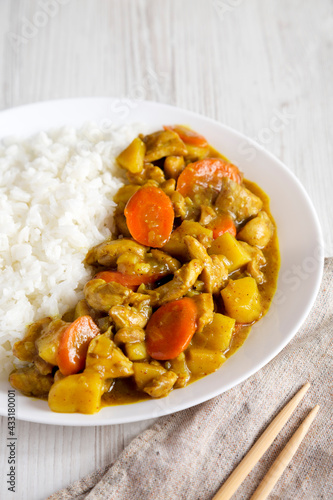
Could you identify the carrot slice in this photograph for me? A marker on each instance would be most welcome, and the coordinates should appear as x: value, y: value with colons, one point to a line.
x: 206, y: 174
x: 223, y: 224
x: 132, y: 281
x: 74, y: 345
x: 149, y: 216
x: 188, y: 136
x: 171, y: 328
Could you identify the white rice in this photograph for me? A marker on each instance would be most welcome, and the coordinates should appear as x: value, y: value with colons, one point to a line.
x: 56, y: 191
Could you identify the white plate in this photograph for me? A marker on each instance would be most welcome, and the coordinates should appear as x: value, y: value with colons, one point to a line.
x: 300, y: 238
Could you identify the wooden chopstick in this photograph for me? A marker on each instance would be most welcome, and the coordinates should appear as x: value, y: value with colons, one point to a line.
x: 276, y: 470
x: 259, y: 448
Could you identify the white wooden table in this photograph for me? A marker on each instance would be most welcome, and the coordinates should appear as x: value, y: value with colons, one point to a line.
x: 264, y: 68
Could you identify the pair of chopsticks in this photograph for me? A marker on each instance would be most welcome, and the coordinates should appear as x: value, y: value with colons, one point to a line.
x: 260, y: 447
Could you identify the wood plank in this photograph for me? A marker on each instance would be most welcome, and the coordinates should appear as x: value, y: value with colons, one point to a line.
x: 243, y: 63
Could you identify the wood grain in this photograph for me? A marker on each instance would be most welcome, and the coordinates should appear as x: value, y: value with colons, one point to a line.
x: 243, y: 63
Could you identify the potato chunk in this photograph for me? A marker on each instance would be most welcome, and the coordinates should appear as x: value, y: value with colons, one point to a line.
x: 80, y: 393
x: 203, y: 361
x: 228, y: 246
x: 132, y: 157
x: 136, y: 351
x: 81, y: 309
x: 258, y: 231
x: 179, y: 367
x: 124, y: 194
x: 146, y: 372
x: 217, y: 334
x: 242, y: 300
x: 48, y: 343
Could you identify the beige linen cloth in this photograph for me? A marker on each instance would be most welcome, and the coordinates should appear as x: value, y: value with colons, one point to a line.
x: 188, y: 455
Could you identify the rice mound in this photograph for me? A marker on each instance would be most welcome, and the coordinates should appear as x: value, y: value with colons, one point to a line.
x: 56, y: 192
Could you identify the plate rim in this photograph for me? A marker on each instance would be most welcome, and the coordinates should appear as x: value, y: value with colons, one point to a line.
x: 88, y: 420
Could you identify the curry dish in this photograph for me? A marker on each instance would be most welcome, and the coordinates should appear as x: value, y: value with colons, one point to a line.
x: 193, y: 264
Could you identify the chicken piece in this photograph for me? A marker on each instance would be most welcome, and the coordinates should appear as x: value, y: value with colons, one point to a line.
x: 30, y: 382
x: 125, y: 316
x: 104, y: 324
x: 214, y: 273
x: 169, y: 186
x: 176, y: 245
x: 166, y: 263
x: 237, y: 200
x: 134, y: 313
x: 258, y: 231
x: 163, y: 143
x: 205, y: 306
x: 195, y: 153
x: 107, y: 253
x: 155, y: 263
x: 161, y: 386
x: 150, y: 172
x: 179, y: 205
x: 58, y: 376
x: 257, y: 262
x: 142, y: 303
x: 105, y: 358
x: 181, y: 283
x: 207, y: 214
x: 173, y: 166
x: 129, y: 334
x: 102, y: 296
x: 26, y: 349
x: 43, y: 366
